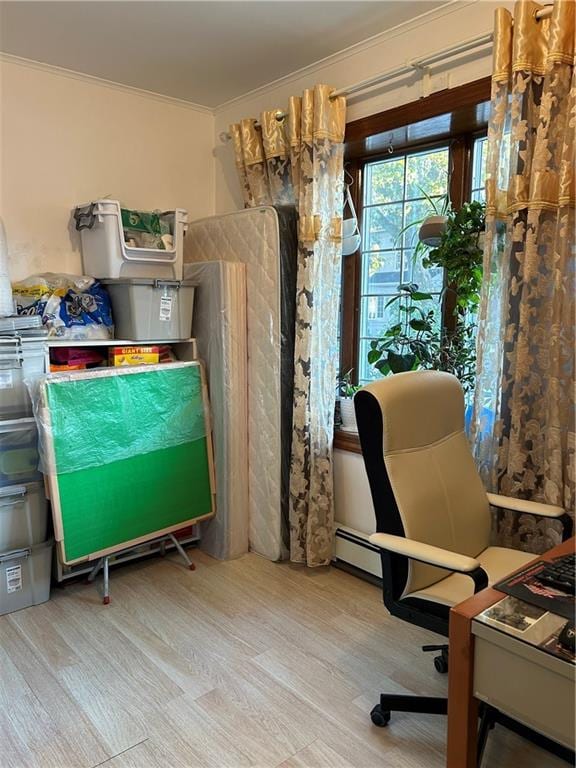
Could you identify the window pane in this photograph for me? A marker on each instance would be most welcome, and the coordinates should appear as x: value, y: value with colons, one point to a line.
x: 376, y: 317
x: 479, y: 169
x: 366, y: 372
x: 428, y: 280
x: 381, y: 272
x: 384, y: 181
x: 382, y: 227
x: 427, y: 172
x: 395, y: 194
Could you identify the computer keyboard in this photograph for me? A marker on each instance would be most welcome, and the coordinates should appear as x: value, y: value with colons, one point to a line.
x: 560, y: 574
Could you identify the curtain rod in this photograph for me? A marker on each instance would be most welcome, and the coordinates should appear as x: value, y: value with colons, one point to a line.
x: 413, y: 64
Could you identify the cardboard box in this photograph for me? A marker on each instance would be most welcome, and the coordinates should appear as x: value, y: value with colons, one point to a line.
x: 119, y: 356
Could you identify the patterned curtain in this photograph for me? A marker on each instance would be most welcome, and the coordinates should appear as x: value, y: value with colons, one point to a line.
x: 524, y: 404
x: 299, y: 159
x: 266, y: 158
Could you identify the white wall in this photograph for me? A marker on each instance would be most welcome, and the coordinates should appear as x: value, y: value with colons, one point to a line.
x: 453, y: 23
x: 66, y: 140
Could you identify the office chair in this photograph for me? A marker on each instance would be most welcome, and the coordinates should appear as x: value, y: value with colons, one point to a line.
x: 433, y: 515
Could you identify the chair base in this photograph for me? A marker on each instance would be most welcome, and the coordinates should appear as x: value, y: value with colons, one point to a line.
x: 426, y: 705
x: 441, y: 661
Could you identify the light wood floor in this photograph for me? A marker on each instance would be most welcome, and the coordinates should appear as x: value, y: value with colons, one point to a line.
x: 243, y: 663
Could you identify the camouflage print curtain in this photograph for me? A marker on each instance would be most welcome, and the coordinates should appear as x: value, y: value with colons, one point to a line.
x: 299, y: 159
x: 524, y: 408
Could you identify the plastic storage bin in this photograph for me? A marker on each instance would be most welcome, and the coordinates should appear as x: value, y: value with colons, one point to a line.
x: 152, y: 310
x: 19, y: 361
x: 23, y: 516
x: 25, y: 577
x: 18, y: 452
x: 104, y: 250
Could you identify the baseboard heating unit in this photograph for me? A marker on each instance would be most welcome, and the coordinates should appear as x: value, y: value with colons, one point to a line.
x: 353, y: 551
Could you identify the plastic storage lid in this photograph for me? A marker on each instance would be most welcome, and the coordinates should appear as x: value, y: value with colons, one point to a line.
x: 20, y: 322
x: 154, y: 281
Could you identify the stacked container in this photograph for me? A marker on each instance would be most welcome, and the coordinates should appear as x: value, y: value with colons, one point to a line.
x: 25, y: 551
x: 150, y: 301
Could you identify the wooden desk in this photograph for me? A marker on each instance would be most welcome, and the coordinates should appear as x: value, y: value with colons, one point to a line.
x: 462, y: 706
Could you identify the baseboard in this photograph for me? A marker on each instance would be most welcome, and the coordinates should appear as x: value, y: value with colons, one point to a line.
x: 353, y: 552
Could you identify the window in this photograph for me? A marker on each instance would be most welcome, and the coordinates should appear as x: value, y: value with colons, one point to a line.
x: 397, y: 193
x: 376, y: 307
x: 438, y: 146
x: 479, y: 169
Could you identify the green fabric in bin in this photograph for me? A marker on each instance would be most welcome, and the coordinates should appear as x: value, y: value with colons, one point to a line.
x: 129, y: 454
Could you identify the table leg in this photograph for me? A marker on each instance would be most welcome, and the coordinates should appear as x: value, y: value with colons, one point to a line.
x: 462, y: 706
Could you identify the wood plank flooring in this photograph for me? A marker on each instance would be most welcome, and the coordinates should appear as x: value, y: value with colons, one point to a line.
x: 238, y: 664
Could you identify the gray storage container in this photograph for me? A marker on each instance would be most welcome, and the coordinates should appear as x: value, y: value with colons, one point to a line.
x: 23, y: 516
x: 20, y: 361
x: 18, y: 452
x: 152, y: 310
x: 25, y: 577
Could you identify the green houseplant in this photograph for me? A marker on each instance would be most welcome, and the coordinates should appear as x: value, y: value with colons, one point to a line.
x: 412, y: 342
x: 460, y: 253
x: 417, y: 339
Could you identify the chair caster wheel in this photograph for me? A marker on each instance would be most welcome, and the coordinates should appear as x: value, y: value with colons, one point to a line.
x: 379, y: 716
x: 441, y: 664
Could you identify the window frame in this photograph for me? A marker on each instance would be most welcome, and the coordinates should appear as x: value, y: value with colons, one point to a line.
x: 468, y: 121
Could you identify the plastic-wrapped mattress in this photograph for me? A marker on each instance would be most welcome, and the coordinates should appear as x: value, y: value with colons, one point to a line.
x: 220, y: 330
x: 265, y: 239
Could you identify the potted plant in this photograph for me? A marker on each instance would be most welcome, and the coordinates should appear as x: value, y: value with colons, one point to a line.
x: 417, y: 340
x: 413, y: 341
x: 346, y: 391
x: 460, y: 252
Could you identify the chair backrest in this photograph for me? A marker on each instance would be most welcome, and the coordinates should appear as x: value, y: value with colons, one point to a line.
x: 421, y: 472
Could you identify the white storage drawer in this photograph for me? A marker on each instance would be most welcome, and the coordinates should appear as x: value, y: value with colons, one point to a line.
x: 104, y: 250
x: 18, y: 452
x: 532, y: 686
x: 25, y: 577
x: 23, y: 516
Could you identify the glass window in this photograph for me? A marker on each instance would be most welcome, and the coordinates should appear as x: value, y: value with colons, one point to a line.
x: 397, y: 192
x: 478, y: 191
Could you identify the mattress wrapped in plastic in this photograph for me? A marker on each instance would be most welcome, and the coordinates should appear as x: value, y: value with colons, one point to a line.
x: 220, y: 330
x: 265, y: 239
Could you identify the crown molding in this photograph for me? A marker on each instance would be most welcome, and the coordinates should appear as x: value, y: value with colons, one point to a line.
x: 449, y: 7
x: 10, y: 58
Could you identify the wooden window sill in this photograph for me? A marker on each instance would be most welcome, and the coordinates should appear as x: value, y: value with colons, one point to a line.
x: 347, y: 441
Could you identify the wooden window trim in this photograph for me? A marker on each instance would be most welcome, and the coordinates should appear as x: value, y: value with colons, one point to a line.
x: 419, y: 121
x: 346, y: 441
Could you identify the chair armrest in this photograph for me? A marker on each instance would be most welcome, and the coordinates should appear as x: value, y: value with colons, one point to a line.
x: 425, y: 553
x: 522, y: 505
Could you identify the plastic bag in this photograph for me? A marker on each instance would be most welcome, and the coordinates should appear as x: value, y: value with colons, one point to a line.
x: 147, y: 230
x: 73, y: 307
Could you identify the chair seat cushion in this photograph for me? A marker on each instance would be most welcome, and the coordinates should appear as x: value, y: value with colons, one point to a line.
x: 498, y: 562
